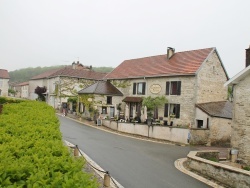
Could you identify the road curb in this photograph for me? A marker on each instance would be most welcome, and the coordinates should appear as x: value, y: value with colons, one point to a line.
x: 179, y: 165
x: 94, y: 164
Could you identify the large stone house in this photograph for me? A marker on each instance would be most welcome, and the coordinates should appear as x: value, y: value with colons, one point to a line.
x: 185, y: 78
x: 4, y: 82
x: 63, y: 83
x: 241, y: 111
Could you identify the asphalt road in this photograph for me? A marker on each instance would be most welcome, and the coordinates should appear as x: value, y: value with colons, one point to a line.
x: 133, y: 163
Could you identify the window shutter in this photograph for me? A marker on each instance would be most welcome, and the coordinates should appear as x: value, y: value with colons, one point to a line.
x: 167, y: 88
x: 134, y: 88
x: 143, y: 88
x: 179, y: 88
x: 166, y: 110
x: 177, y: 109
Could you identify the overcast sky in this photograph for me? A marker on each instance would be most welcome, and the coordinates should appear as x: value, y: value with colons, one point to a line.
x: 106, y: 32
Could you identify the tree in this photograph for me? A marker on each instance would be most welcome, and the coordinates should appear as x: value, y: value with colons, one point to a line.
x: 41, y: 92
x: 153, y: 102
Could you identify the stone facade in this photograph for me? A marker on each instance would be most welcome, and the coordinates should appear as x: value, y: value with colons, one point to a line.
x: 219, y: 129
x: 4, y: 86
x: 186, y: 99
x: 241, y: 119
x: 210, y: 81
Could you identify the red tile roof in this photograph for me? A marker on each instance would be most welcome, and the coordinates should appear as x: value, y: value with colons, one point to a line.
x: 23, y: 84
x: 69, y: 72
x: 82, y: 73
x: 44, y: 75
x: 181, y: 63
x: 4, y: 74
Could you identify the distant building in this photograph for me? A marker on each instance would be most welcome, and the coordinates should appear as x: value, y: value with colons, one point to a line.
x: 64, y: 83
x: 4, y: 82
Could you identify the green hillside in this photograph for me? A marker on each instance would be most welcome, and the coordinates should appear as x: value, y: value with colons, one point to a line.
x: 25, y: 74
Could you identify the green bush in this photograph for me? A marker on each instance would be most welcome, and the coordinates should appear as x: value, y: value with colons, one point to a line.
x: 4, y: 100
x: 32, y: 153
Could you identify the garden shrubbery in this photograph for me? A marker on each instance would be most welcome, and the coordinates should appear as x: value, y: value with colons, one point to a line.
x: 32, y: 153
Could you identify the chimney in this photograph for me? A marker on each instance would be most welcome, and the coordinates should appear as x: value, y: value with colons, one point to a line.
x: 73, y: 65
x: 170, y: 52
x: 248, y: 56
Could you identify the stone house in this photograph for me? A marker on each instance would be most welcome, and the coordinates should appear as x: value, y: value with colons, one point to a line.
x: 185, y: 78
x: 102, y: 97
x: 217, y: 117
x: 64, y: 83
x: 24, y: 90
x: 4, y: 82
x: 241, y: 111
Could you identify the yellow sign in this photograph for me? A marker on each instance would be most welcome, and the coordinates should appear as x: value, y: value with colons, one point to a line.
x: 155, y: 88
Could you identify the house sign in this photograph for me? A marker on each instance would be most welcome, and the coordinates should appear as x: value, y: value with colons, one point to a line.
x: 155, y: 88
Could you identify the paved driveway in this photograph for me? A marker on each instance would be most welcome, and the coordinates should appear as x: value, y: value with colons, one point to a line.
x: 133, y: 163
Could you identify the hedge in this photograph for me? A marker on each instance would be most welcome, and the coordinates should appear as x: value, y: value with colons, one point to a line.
x: 32, y: 153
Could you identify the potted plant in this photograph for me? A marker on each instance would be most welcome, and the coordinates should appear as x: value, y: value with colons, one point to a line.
x: 170, y: 119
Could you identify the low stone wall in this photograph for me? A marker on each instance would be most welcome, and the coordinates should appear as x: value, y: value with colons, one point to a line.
x: 173, y: 134
x: 230, y: 176
x: 199, y: 136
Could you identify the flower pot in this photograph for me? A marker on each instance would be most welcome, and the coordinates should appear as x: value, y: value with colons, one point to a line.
x: 149, y: 121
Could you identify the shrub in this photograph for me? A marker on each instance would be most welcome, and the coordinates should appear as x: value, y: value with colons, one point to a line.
x: 32, y: 153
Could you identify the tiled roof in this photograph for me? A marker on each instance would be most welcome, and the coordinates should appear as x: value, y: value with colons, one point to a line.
x: 4, y: 74
x: 101, y: 87
x: 45, y: 74
x: 181, y: 63
x: 69, y: 72
x: 222, y: 109
x: 23, y: 84
x: 79, y: 73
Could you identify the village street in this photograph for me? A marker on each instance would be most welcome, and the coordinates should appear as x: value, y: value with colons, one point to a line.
x: 132, y: 162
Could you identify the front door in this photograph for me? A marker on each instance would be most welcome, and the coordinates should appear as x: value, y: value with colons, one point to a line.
x: 112, y: 112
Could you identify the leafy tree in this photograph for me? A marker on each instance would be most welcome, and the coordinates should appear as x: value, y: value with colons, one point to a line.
x: 40, y: 92
x: 12, y: 91
x: 153, y: 102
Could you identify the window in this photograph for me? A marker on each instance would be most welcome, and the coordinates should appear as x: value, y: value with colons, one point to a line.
x: 109, y: 100
x: 1, y: 83
x: 172, y: 109
x: 199, y: 123
x: 104, y: 110
x: 139, y: 88
x: 173, y: 88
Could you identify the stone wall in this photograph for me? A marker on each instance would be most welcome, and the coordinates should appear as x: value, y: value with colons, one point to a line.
x: 199, y: 136
x: 241, y: 119
x: 210, y: 81
x: 173, y: 134
x: 220, y: 131
x: 229, y: 176
x: 4, y: 88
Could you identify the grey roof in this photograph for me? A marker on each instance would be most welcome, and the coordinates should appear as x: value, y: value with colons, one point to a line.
x: 221, y: 109
x: 101, y: 87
